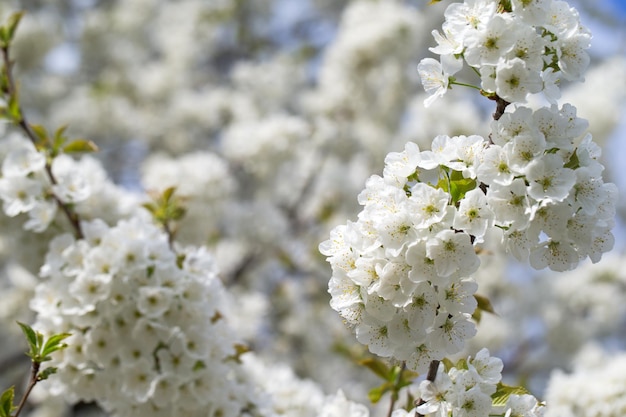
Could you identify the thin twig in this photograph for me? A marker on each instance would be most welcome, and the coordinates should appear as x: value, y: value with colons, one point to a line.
x: 432, y: 374
x: 34, y: 378
x: 25, y: 126
x: 500, y: 107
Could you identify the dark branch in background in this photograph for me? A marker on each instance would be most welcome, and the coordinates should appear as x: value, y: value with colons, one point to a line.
x: 432, y: 374
x: 25, y: 126
x: 500, y: 107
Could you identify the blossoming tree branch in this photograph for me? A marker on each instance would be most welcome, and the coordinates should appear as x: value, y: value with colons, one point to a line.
x: 402, y: 273
x: 149, y: 303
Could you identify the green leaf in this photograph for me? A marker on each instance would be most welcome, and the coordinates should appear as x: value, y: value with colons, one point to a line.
x: 503, y: 392
x: 6, y: 402
x: 40, y: 132
x: 14, y: 109
x: 13, y: 22
x: 39, y: 341
x: 477, y: 315
x: 573, y: 162
x: 151, y: 207
x: 447, y: 364
x: 375, y: 394
x: 54, y: 343
x: 408, y: 377
x: 43, y: 375
x: 31, y: 337
x: 166, y: 207
x: 168, y: 193
x: 460, y: 186
x: 461, y: 364
x: 410, y: 401
x: 80, y: 145
x: 484, y: 304
x: 378, y: 367
x: 443, y: 184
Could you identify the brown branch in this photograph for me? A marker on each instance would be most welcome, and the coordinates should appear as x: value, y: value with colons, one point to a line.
x: 34, y: 378
x: 11, y: 92
x: 500, y: 107
x: 432, y: 374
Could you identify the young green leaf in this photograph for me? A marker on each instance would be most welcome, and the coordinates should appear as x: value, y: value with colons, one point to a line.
x: 459, y: 186
x: 12, y: 23
x: 41, y: 133
x: 53, y: 344
x: 168, y: 193
x: 461, y: 364
x: 80, y: 145
x: 6, y: 402
x: 31, y: 337
x: 503, y: 392
x: 447, y: 364
x: 378, y: 367
x: 43, y: 375
x: 484, y: 304
x: 375, y: 394
x: 15, y: 113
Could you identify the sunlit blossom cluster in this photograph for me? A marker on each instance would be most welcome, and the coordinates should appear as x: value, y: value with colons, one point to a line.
x: 401, y: 273
x: 289, y: 130
x: 594, y: 387
x: 517, y: 48
x: 148, y: 333
x: 544, y: 184
x: 25, y: 186
x: 467, y: 391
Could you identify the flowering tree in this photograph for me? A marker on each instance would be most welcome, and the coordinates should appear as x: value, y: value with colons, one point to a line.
x: 198, y: 296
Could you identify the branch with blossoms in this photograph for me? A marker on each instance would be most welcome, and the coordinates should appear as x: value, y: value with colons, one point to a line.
x: 20, y: 191
x: 402, y: 273
x: 39, y: 351
x: 148, y: 329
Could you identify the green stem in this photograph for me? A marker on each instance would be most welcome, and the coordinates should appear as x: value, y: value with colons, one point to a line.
x: 394, y: 392
x: 464, y: 85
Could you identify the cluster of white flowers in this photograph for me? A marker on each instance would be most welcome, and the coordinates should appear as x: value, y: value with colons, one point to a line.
x: 401, y: 272
x: 467, y: 391
x: 28, y: 187
x: 258, y: 146
x: 148, y: 333
x: 546, y: 190
x: 25, y: 186
x: 595, y: 387
x: 363, y: 83
x: 204, y: 183
x: 518, y: 47
x: 339, y: 406
x: 280, y: 389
